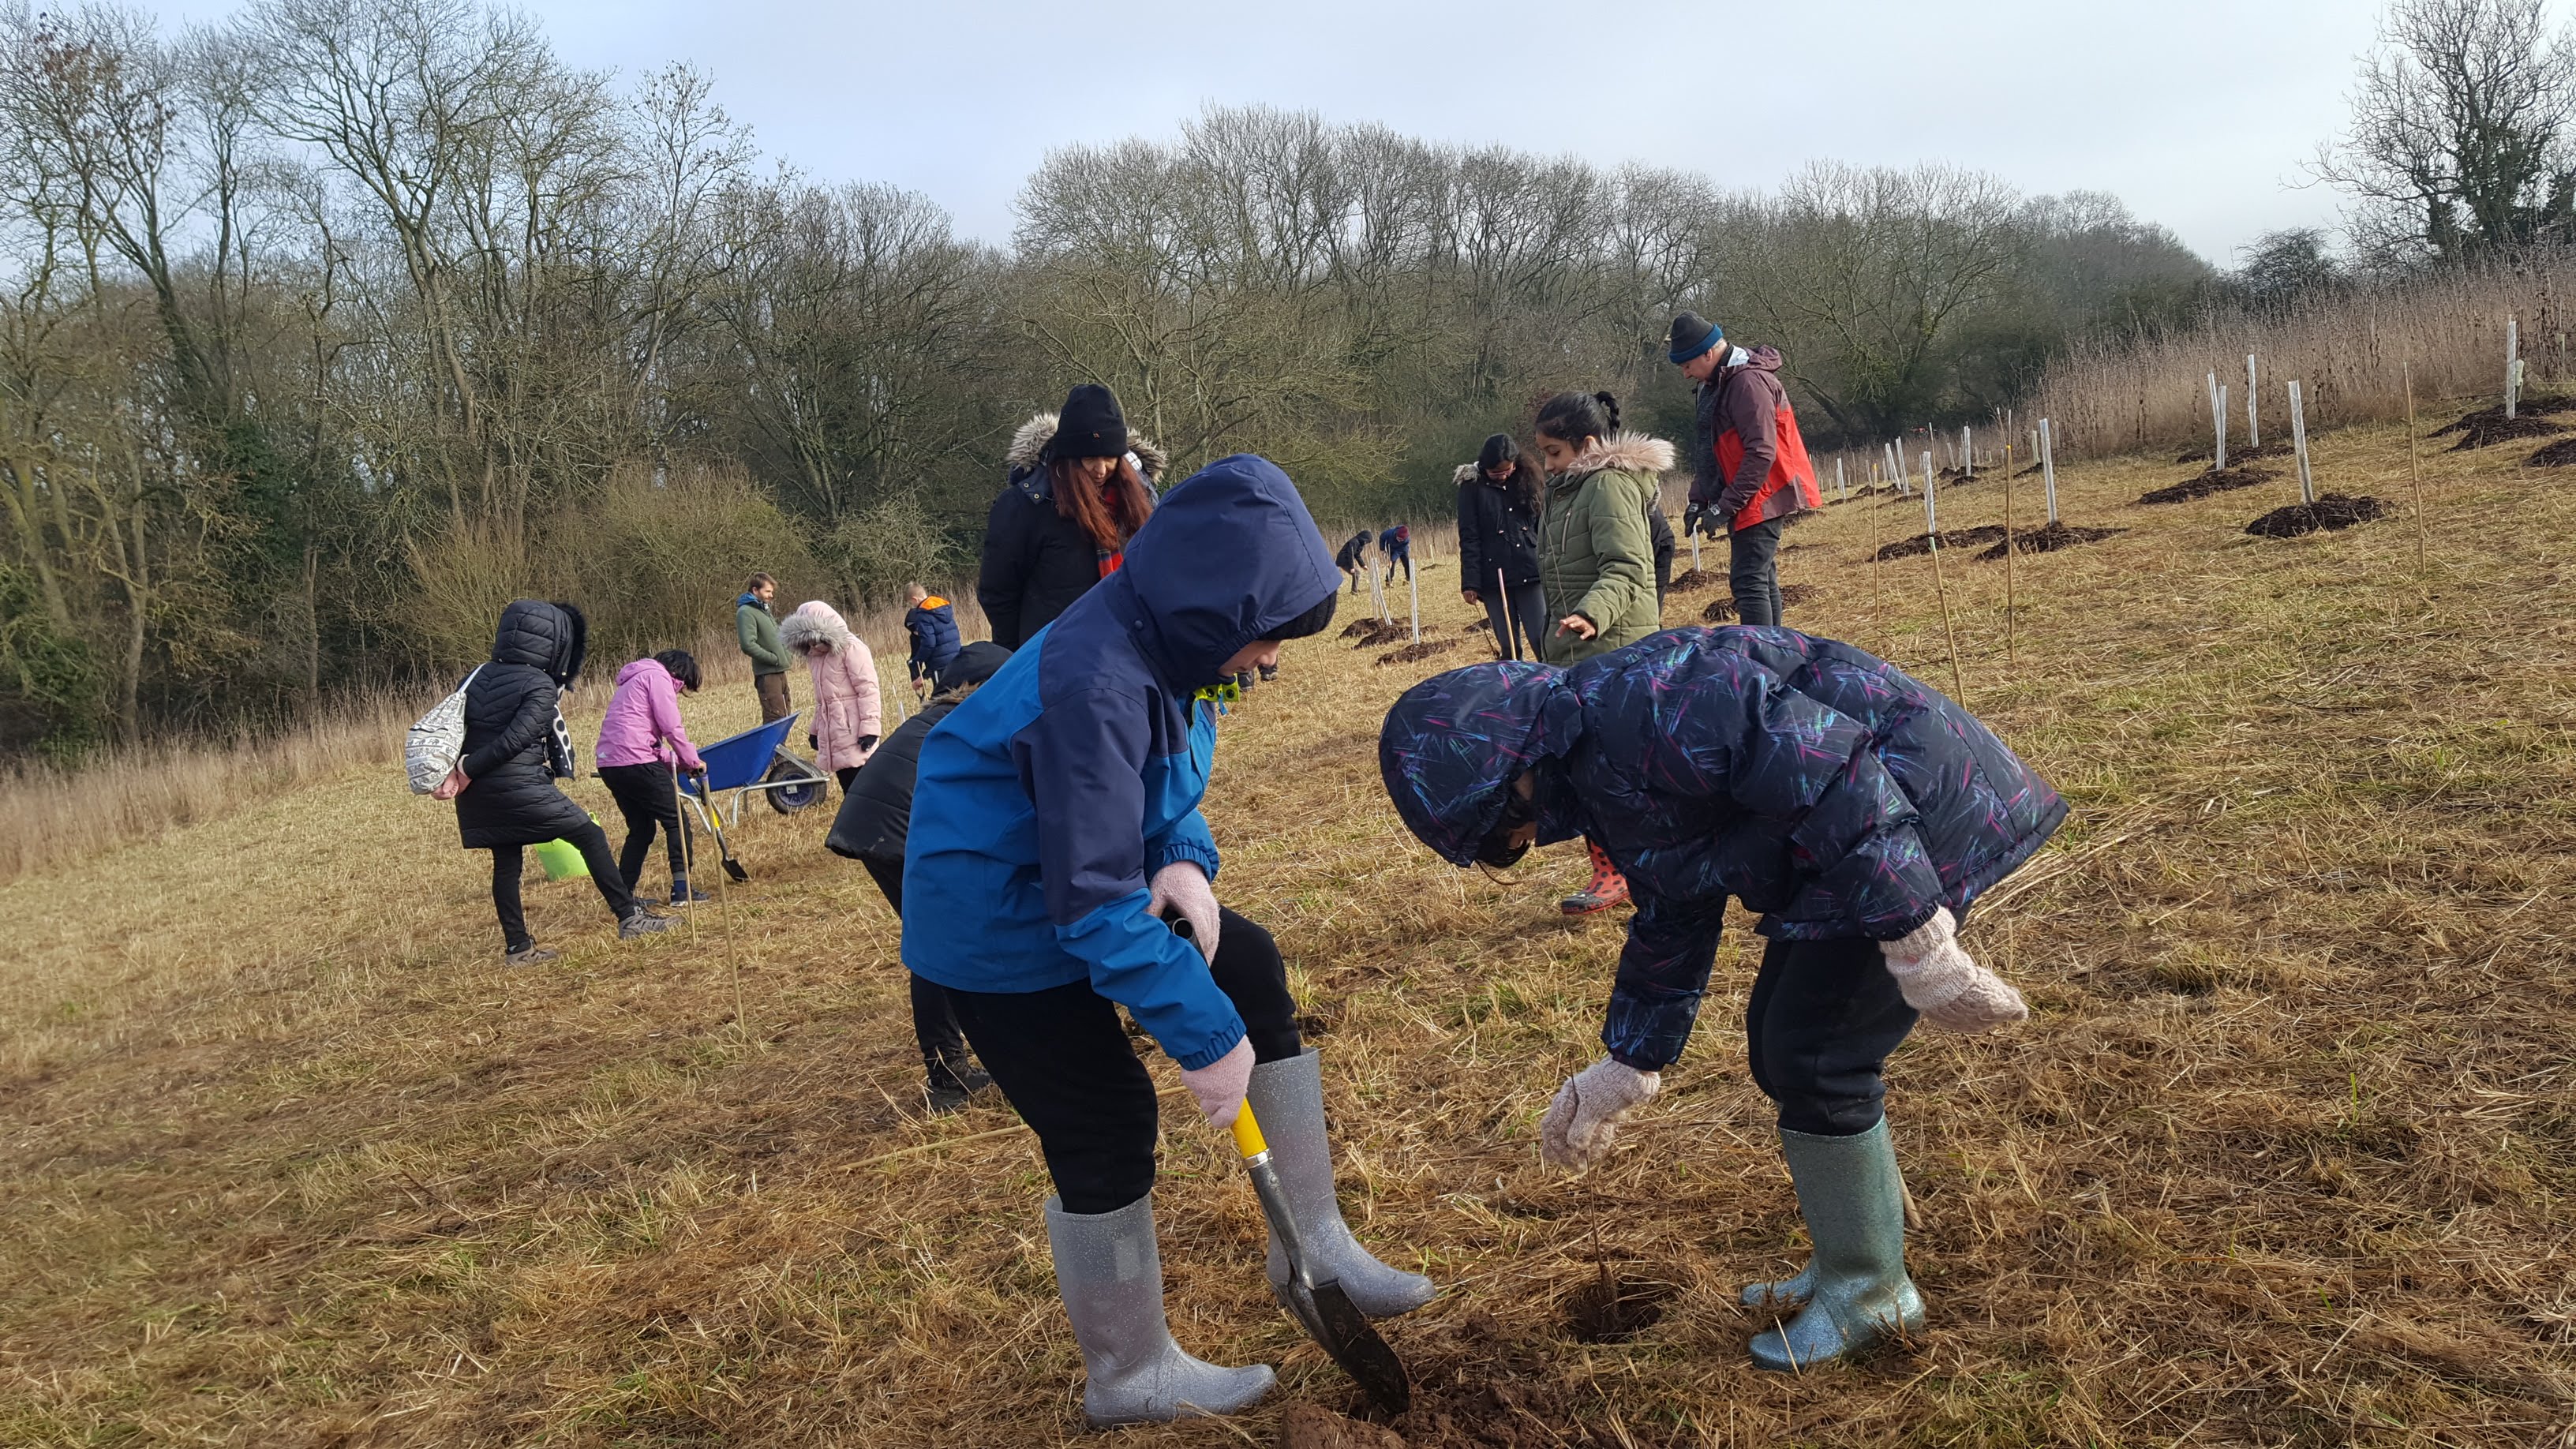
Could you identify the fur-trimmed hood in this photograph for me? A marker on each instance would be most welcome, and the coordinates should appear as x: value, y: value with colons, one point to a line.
x: 1628, y: 452
x: 1028, y: 448
x: 1467, y: 473
x: 814, y: 622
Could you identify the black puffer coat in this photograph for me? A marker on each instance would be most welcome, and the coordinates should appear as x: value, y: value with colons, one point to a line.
x: 513, y: 754
x: 1497, y: 528
x: 1036, y: 561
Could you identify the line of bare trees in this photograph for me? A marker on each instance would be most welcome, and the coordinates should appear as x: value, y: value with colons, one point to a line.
x: 327, y: 329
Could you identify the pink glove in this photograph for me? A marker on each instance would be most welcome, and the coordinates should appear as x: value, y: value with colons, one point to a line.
x: 1181, y: 889
x: 1945, y: 983
x: 1220, y: 1084
x: 1581, y: 1123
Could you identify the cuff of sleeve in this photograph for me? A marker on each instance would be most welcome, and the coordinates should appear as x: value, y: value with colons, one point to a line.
x: 1638, y: 1062
x: 1222, y: 1042
x: 1172, y: 851
x: 1897, y: 944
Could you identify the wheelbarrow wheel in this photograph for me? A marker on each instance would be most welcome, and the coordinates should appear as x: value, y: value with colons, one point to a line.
x: 806, y: 789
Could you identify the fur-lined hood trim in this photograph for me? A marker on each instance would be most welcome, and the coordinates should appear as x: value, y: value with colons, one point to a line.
x: 814, y: 622
x: 1627, y: 452
x: 1467, y: 473
x: 1028, y: 447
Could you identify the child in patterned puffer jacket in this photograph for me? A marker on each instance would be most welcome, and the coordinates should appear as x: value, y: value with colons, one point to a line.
x: 1857, y: 809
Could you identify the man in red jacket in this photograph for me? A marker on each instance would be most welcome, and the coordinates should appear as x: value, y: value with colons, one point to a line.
x: 1751, y: 466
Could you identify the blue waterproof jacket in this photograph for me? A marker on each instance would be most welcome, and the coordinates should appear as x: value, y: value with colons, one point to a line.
x: 1821, y: 785
x: 932, y: 626
x: 1048, y: 798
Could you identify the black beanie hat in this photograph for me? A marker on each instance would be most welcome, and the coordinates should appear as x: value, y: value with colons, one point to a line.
x: 1310, y: 623
x: 1090, y: 425
x: 1690, y: 336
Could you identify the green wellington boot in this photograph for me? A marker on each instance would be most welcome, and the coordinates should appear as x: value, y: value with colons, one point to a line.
x: 1857, y: 1292
x: 1109, y: 1271
x: 1794, y: 1290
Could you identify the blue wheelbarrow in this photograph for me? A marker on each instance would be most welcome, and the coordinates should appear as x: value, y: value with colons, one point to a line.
x: 755, y: 762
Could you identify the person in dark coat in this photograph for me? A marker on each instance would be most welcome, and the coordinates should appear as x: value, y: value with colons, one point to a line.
x: 1353, y: 557
x: 1079, y: 487
x: 1750, y: 469
x: 516, y: 747
x: 931, y: 623
x: 1057, y: 847
x: 875, y: 820
x: 1857, y: 809
x: 1498, y: 503
x: 1659, y: 529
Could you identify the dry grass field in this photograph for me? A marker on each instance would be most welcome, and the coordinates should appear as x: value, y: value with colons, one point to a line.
x: 2281, y: 1158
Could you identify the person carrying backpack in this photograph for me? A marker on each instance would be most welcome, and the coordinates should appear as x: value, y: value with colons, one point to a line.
x: 516, y: 747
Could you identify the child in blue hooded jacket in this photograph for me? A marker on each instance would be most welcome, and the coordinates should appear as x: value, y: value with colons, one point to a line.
x: 1856, y: 808
x: 1055, y: 832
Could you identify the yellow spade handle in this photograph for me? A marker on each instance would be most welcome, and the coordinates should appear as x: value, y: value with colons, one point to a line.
x: 1247, y: 1133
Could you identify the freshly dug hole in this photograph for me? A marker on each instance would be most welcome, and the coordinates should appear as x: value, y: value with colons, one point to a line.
x: 1791, y: 596
x: 2049, y: 540
x: 1954, y: 538
x: 1615, y: 1309
x: 2224, y: 480
x: 2333, y: 510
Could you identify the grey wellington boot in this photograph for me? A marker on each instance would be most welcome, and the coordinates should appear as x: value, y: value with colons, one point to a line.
x: 1854, y: 1204
x: 1110, y: 1274
x: 1288, y: 1097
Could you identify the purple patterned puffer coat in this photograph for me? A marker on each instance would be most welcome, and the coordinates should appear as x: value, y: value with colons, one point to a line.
x: 1822, y: 786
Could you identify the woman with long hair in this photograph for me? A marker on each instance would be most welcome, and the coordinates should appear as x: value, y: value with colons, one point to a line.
x: 1498, y: 505
x: 1080, y: 485
x: 1596, y: 557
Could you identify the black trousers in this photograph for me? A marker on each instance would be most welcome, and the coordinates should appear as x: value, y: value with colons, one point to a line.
x: 1753, y: 572
x: 845, y: 775
x: 509, y: 861
x: 1062, y: 1058
x: 934, y: 1016
x: 644, y: 796
x: 1817, y: 1032
x: 1528, y: 609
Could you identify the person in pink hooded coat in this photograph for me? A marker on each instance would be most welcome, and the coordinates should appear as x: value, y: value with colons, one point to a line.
x: 847, y: 717
x: 641, y: 744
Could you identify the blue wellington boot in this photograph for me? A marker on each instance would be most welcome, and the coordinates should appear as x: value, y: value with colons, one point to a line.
x: 1857, y: 1292
x: 1109, y: 1271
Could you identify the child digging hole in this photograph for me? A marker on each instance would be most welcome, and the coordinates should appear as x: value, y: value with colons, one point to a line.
x: 1690, y: 760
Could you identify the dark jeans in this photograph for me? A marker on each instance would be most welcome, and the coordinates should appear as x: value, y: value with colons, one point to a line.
x: 644, y: 796
x: 934, y: 1017
x: 1528, y: 608
x: 1062, y: 1058
x: 774, y: 703
x: 1753, y: 572
x: 1817, y: 1030
x: 508, y: 861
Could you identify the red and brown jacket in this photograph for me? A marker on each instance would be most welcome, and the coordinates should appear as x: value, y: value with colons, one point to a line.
x: 1752, y: 465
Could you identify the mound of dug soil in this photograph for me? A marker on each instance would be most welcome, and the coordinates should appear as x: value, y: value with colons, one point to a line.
x: 2530, y: 407
x: 1691, y: 581
x: 1411, y: 652
x: 1615, y: 1309
x: 1375, y: 633
x: 1478, y: 1386
x: 1921, y: 543
x: 2486, y: 432
x: 2333, y: 510
x: 2225, y: 480
x: 2559, y: 454
x: 2050, y: 540
x: 1791, y: 596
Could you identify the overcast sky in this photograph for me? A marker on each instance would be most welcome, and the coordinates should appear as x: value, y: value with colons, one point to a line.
x: 2196, y: 112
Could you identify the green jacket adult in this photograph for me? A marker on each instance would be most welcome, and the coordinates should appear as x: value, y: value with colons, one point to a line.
x: 1596, y: 556
x: 757, y: 629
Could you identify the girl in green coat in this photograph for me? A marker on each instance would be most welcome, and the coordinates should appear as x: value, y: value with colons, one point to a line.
x: 1596, y: 556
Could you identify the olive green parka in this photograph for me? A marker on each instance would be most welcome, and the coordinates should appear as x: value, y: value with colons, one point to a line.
x: 1596, y: 553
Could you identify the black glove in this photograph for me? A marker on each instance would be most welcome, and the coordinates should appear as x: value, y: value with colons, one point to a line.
x: 812, y: 743
x: 867, y: 743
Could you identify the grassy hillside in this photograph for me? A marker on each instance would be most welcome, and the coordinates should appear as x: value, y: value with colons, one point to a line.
x: 2282, y: 1156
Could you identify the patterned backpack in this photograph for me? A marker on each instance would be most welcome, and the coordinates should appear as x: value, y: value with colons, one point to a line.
x: 437, y: 740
